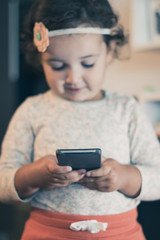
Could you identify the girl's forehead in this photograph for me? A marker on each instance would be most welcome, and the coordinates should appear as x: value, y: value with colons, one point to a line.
x: 80, y: 44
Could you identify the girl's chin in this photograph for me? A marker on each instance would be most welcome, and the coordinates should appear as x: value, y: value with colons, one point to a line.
x: 76, y: 98
x: 80, y: 96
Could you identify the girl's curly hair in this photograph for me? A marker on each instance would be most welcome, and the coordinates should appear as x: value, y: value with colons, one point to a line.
x: 61, y: 14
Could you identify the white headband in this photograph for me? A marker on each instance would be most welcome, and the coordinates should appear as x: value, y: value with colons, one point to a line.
x: 89, y: 30
x: 41, y: 34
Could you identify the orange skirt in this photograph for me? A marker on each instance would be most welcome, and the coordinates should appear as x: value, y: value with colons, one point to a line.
x: 46, y: 225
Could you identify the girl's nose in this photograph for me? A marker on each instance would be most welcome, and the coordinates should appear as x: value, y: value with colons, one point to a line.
x: 68, y: 79
x: 72, y: 77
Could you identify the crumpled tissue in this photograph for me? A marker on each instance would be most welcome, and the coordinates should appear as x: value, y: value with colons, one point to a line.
x: 92, y: 226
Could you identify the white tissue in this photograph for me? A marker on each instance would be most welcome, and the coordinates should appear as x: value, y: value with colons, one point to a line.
x: 92, y: 226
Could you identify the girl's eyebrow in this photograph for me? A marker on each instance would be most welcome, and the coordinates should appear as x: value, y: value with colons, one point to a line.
x: 88, y: 56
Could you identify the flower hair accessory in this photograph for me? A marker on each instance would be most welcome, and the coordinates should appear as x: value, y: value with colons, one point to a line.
x: 41, y: 34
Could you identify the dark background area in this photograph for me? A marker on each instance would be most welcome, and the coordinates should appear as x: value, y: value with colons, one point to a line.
x: 14, y: 88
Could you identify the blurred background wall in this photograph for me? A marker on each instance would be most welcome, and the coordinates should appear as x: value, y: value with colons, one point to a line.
x: 137, y: 74
x: 143, y: 66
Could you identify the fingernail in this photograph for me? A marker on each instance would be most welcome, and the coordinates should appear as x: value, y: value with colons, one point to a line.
x: 88, y: 174
x: 69, y: 168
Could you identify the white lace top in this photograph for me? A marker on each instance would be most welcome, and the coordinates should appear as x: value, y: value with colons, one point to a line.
x: 115, y: 124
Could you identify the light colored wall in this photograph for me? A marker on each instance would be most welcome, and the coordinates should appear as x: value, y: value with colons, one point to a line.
x: 142, y: 69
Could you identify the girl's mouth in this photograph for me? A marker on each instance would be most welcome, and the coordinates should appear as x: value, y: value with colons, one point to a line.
x: 74, y: 89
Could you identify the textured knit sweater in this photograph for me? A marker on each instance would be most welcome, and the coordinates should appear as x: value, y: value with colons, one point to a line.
x: 116, y: 124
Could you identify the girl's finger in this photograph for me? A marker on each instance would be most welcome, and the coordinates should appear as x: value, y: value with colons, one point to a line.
x: 65, y: 169
x: 103, y: 171
x: 70, y: 176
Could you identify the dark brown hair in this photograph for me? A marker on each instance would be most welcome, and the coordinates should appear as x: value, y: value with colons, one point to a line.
x: 62, y: 14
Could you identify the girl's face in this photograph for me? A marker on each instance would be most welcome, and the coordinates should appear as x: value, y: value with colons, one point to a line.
x: 75, y: 65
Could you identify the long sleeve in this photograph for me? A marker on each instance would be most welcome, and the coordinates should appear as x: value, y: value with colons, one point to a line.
x: 145, y: 152
x: 17, y: 150
x: 43, y: 124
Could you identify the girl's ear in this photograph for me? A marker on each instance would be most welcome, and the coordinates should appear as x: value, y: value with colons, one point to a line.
x: 110, y: 51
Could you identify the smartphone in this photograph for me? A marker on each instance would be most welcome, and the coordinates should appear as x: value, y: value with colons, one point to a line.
x: 88, y: 159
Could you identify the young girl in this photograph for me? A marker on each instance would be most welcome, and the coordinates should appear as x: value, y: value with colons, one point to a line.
x: 74, y: 41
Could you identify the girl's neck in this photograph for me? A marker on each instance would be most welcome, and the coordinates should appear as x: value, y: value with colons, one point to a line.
x: 99, y: 96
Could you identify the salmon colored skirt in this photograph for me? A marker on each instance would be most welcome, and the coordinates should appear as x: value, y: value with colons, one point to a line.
x: 46, y: 225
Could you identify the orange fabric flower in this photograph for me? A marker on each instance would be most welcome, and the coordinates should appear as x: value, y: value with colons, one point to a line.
x: 40, y: 37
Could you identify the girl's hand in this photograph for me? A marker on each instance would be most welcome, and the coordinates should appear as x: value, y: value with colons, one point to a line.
x: 113, y: 176
x: 44, y: 173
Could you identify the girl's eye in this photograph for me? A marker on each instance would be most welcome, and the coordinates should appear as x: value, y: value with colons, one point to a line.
x: 58, y: 67
x: 86, y: 65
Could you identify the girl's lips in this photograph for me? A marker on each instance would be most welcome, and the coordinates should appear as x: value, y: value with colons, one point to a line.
x: 73, y: 89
